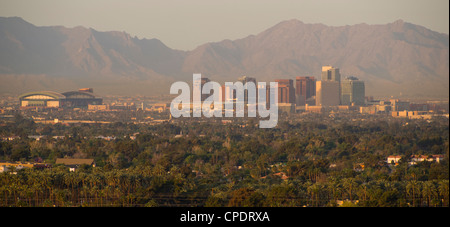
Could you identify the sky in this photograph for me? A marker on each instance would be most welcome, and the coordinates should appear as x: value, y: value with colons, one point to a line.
x: 186, y: 24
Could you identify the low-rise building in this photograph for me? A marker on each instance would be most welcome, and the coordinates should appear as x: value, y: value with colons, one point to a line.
x: 75, y: 163
x: 429, y: 158
x: 6, y: 166
x: 393, y: 159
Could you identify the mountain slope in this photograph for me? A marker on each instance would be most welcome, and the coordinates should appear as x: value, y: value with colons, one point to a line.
x: 114, y: 62
x: 393, y: 59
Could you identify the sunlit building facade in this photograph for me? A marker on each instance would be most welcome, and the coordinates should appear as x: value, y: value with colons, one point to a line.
x: 286, y: 91
x: 305, y: 89
x: 327, y: 93
x: 50, y: 99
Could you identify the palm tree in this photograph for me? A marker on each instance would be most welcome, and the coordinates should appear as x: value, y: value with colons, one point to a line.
x: 13, y: 188
x: 37, y: 188
x: 349, y: 185
x: 314, y: 190
x: 443, y: 191
x: 335, y: 187
x: 429, y: 191
x: 158, y: 170
x: 362, y: 192
x: 44, y: 183
x: 413, y: 189
x: 99, y: 193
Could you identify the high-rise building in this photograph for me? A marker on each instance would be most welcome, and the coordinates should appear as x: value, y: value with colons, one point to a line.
x: 331, y: 73
x: 327, y: 93
x: 286, y: 91
x: 352, y: 91
x: 305, y: 88
x: 198, y: 86
x: 245, y: 80
x: 269, y: 93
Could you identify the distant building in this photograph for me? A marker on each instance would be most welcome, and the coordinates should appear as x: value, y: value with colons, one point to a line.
x: 198, y: 86
x: 438, y: 106
x: 81, y: 98
x: 314, y: 109
x: 86, y: 90
x: 286, y: 91
x: 305, y: 89
x: 74, y: 163
x: 97, y: 107
x: 50, y: 99
x: 6, y: 166
x: 372, y: 109
x: 286, y: 107
x: 245, y: 80
x: 398, y: 105
x: 352, y: 91
x: 412, y: 114
x: 327, y: 93
x: 228, y: 93
x: 161, y: 107
x: 328, y: 90
x: 265, y: 88
x: 428, y: 158
x: 393, y: 159
x: 329, y: 73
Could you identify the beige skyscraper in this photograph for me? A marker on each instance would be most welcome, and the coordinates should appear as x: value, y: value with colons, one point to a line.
x: 328, y: 90
x: 327, y: 93
x: 330, y: 73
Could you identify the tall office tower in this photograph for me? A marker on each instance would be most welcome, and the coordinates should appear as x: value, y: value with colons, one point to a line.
x: 228, y: 94
x: 327, y: 93
x: 222, y: 93
x: 198, y: 86
x: 265, y: 88
x: 352, y: 91
x: 305, y: 89
x: 244, y: 80
x: 286, y: 91
x: 331, y: 73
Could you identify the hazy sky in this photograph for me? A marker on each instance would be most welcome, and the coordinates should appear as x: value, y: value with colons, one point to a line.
x: 185, y: 24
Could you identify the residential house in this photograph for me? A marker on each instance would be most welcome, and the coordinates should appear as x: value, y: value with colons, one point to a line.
x: 393, y: 159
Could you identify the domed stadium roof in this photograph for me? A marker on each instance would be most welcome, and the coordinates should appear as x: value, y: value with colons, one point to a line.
x: 79, y: 95
x: 42, y: 95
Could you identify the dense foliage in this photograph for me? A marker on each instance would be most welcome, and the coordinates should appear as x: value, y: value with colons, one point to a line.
x: 311, y: 160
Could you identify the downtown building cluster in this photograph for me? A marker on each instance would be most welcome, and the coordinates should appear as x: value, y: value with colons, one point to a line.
x: 306, y: 92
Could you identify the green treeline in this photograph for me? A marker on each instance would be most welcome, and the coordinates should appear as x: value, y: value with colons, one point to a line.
x: 313, y: 162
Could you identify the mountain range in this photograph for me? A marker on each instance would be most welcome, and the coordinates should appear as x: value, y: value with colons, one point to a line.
x: 397, y: 59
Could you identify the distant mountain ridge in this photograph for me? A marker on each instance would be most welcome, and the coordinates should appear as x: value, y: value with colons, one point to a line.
x: 398, y: 58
